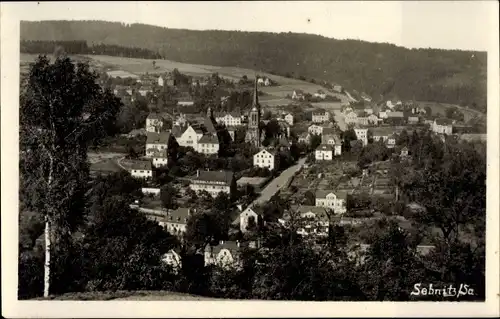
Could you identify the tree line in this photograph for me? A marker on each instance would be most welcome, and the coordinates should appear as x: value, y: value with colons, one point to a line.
x: 81, y: 47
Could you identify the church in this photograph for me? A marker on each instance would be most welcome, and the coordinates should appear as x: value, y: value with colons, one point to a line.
x: 254, y: 128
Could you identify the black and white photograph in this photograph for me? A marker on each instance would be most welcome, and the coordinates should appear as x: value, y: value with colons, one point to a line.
x: 342, y: 152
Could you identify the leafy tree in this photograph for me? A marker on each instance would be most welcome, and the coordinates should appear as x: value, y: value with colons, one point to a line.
x: 315, y: 141
x: 168, y: 196
x: 62, y: 112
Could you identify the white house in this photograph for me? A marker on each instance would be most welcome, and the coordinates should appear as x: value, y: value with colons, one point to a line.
x: 442, y: 126
x: 208, y: 144
x: 313, y: 220
x: 320, y: 116
x: 160, y: 158
x: 214, y: 182
x: 190, y: 137
x: 332, y: 200
x: 225, y: 254
x: 289, y: 119
x: 373, y: 119
x: 337, y: 88
x: 175, y: 221
x: 298, y: 95
x: 315, y: 129
x: 141, y: 169
x: 382, y: 114
x: 362, y: 135
x: 324, y: 152
x: 320, y: 94
x: 391, y: 141
x: 154, y: 123
x: 266, y: 158
x: 250, y: 216
x: 229, y: 119
x: 156, y: 143
x: 334, y: 141
x: 351, y: 118
x: 381, y: 133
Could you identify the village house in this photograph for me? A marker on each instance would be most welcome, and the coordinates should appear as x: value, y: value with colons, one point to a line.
x: 324, y: 152
x: 144, y: 90
x: 362, y: 135
x: 332, y: 200
x: 298, y: 95
x: 157, y: 142
x: 226, y: 254
x: 166, y: 79
x: 214, y: 182
x: 289, y: 119
x: 362, y: 118
x: 382, y: 114
x: 251, y: 216
x: 208, y: 144
x: 160, y: 158
x: 383, y: 134
x: 185, y: 102
x: 315, y: 129
x: 320, y: 116
x: 395, y: 118
x: 442, y: 126
x: 314, y: 220
x: 346, y: 109
x: 266, y: 159
x: 141, y: 169
x: 264, y: 81
x: 175, y: 221
x: 304, y: 138
x: 154, y: 123
x: 391, y: 141
x: 229, y: 119
x: 334, y: 141
x: 320, y: 94
x: 351, y: 118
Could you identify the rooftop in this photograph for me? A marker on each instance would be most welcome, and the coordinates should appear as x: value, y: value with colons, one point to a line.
x: 158, y: 138
x: 444, y: 121
x: 322, y: 193
x: 209, y: 139
x: 213, y: 176
x: 179, y: 215
x: 324, y: 147
x: 140, y: 165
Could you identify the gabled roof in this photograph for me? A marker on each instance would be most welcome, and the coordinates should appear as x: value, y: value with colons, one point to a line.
x: 270, y: 151
x: 298, y: 91
x: 178, y: 130
x: 329, y: 131
x: 382, y: 131
x: 232, y: 246
x: 214, y: 176
x: 179, y: 215
x: 303, y: 209
x: 444, y: 121
x: 324, y: 147
x: 209, y: 139
x: 209, y: 125
x: 158, y: 138
x: 322, y: 193
x: 256, y: 209
x: 158, y: 153
x: 140, y: 165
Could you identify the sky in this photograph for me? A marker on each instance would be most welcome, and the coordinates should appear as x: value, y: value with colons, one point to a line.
x: 413, y: 24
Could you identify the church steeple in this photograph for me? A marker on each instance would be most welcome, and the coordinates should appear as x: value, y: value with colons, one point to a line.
x: 255, y: 102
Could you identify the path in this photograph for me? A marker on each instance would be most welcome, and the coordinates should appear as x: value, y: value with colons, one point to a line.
x: 275, y: 185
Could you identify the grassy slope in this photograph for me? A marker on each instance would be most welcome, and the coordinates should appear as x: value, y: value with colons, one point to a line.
x: 129, y: 296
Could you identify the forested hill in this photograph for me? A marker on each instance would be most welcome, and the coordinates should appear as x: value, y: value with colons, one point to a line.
x: 457, y: 77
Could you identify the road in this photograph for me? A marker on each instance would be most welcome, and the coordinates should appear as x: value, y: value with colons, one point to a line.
x: 339, y: 119
x: 275, y: 185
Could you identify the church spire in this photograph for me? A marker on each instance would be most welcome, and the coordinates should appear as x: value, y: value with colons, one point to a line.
x: 255, y: 102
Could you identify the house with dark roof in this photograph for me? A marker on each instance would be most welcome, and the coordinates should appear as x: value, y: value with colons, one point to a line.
x: 141, y: 169
x: 333, y: 140
x: 156, y: 143
x: 324, y: 152
x: 175, y: 221
x: 214, y: 182
x: 229, y: 119
x: 320, y: 116
x: 226, y: 254
x: 330, y: 199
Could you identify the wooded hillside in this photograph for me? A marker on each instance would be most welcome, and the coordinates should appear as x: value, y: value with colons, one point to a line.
x: 457, y: 77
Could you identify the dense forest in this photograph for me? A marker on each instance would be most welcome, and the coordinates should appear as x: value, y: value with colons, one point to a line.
x: 81, y: 47
x: 379, y: 69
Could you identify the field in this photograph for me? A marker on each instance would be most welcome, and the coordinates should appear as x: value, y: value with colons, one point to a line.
x: 275, y: 95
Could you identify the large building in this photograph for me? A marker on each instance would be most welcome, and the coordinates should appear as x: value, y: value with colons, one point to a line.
x: 229, y: 119
x: 141, y: 169
x: 266, y: 159
x: 175, y: 221
x: 332, y: 200
x: 362, y: 135
x: 158, y: 142
x: 214, y: 182
x: 254, y: 128
x: 320, y: 116
x: 442, y: 126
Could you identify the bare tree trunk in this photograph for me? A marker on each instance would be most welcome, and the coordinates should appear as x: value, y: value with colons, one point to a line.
x: 46, y: 279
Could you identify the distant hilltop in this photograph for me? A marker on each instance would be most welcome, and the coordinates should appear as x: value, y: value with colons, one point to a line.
x: 379, y: 69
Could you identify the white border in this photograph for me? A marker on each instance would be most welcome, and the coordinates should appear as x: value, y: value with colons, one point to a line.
x: 27, y: 309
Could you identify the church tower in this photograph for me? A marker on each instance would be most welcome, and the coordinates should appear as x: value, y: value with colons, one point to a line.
x: 253, y: 129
